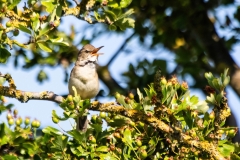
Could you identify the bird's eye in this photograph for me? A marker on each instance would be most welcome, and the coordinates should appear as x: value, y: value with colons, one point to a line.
x: 87, y: 51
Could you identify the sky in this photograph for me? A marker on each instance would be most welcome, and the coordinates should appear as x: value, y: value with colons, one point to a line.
x: 41, y: 110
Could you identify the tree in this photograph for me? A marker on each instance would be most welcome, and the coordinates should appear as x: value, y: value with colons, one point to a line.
x: 177, y: 25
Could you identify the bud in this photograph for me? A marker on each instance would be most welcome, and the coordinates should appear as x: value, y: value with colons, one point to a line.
x: 94, y: 119
x: 38, y: 124
x: 212, y: 115
x: 15, y: 112
x: 102, y: 114
x: 71, y: 105
x: 10, y: 121
x: 194, y: 114
x: 69, y: 98
x: 131, y: 95
x: 16, y: 32
x: 139, y: 142
x: 184, y: 86
x: 9, y: 24
x: 18, y: 121
x: 163, y: 81
x: 112, y: 147
x: 9, y: 116
x: 117, y: 95
x: 4, y: 35
x: 56, y: 23
x: 35, y: 124
x: 127, y: 100
x: 92, y: 139
x: 131, y: 123
x: 116, y: 135
x: 27, y: 121
x: 143, y: 153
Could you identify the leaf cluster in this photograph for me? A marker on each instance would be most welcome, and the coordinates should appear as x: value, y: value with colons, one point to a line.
x: 164, y: 123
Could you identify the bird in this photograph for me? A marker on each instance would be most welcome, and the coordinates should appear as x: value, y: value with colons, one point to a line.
x: 84, y: 78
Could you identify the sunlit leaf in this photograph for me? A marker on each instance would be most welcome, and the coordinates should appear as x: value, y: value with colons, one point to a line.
x: 44, y: 47
x: 125, y: 3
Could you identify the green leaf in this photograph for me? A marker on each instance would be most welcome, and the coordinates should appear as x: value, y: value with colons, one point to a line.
x: 24, y: 29
x: 13, y: 4
x: 126, y: 14
x: 44, y: 47
x: 45, y: 28
x: 80, y: 137
x: 59, y: 12
x: 112, y: 4
x: 59, y: 41
x: 35, y: 21
x: 226, y: 149
x: 54, y: 114
x: 49, y: 4
x: 111, y: 15
x: 127, y: 137
x: 211, y: 99
x: 4, y: 54
x: 125, y: 3
x: 51, y: 131
x: 97, y: 127
x: 102, y: 149
x: 140, y: 96
x: 29, y: 147
x: 8, y: 157
x: 107, y: 157
x: 96, y: 15
x: 117, y: 123
x: 59, y: 143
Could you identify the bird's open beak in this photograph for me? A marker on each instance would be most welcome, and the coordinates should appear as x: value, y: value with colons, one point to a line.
x: 94, y: 52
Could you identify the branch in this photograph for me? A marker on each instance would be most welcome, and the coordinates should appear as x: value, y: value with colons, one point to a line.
x: 156, y: 123
x: 108, y: 80
x: 215, y: 47
x: 24, y: 96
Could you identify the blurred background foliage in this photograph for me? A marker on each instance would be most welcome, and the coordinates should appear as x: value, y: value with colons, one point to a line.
x: 187, y: 29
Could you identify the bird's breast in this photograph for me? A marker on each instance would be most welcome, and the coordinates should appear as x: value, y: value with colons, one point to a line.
x: 85, y: 80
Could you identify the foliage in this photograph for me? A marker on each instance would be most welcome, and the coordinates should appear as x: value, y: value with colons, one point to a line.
x: 38, y: 21
x: 164, y: 123
x: 175, y: 25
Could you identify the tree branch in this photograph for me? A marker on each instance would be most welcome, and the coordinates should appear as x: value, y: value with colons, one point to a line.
x: 156, y: 123
x: 108, y: 80
x: 24, y: 96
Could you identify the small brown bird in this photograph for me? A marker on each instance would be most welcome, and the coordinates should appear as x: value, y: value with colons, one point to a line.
x: 84, y: 78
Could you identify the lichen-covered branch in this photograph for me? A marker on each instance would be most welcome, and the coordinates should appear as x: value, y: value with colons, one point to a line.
x: 156, y: 123
x: 24, y: 96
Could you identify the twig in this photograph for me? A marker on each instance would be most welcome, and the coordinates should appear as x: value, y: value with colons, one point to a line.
x: 76, y: 2
x: 121, y: 48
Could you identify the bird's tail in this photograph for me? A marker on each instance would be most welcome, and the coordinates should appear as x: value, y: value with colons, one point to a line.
x: 82, y: 123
